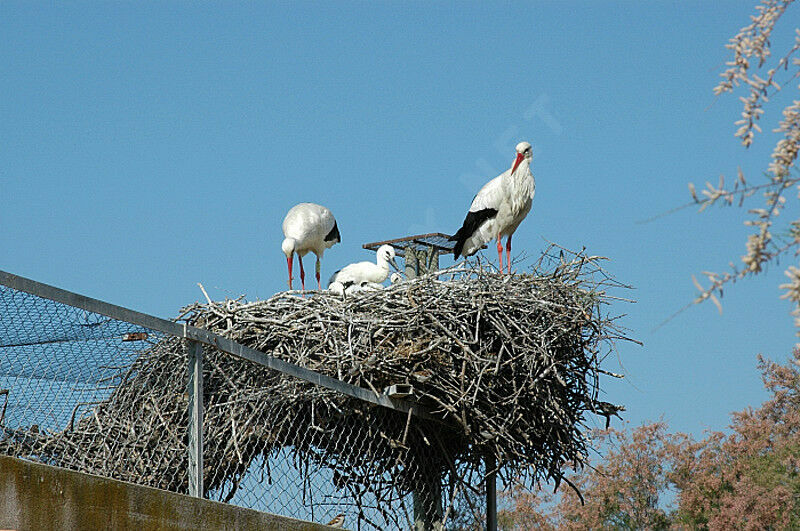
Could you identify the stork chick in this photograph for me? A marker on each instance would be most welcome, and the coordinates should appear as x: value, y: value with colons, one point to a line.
x: 377, y: 272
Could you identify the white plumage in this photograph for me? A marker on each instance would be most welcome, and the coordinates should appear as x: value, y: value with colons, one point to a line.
x: 499, y: 208
x: 308, y: 227
x: 339, y: 289
x: 370, y: 272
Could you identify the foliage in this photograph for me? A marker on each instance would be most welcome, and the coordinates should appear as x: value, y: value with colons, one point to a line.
x: 624, y: 491
x: 652, y: 479
x: 753, y: 71
x: 750, y: 479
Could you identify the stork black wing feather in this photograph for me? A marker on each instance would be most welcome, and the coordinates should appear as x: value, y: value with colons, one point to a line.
x: 471, y: 224
x: 333, y: 235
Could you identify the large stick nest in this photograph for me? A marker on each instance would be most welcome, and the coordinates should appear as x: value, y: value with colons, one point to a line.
x: 509, y: 364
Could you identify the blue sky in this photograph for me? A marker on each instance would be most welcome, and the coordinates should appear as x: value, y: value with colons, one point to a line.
x: 146, y: 148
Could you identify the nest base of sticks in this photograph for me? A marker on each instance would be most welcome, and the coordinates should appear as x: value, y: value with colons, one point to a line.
x: 509, y: 364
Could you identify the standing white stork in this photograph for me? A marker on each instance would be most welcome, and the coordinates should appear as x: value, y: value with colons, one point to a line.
x: 498, y: 209
x: 375, y: 272
x: 308, y: 227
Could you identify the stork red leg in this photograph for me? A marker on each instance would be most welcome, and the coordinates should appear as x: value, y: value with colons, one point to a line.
x: 319, y: 286
x: 508, y: 253
x: 289, y: 264
x: 500, y: 252
x: 302, y: 273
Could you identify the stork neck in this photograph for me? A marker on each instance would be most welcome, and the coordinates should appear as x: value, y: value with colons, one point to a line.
x: 520, y: 185
x: 520, y: 175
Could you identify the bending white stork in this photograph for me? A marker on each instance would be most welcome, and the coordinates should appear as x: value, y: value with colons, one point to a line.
x: 308, y: 227
x: 358, y: 273
x: 498, y: 209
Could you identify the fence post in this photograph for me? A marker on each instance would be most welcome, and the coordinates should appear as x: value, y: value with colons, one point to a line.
x: 491, y: 493
x: 195, y: 390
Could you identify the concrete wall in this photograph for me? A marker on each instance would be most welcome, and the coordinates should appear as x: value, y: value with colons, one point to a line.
x: 40, y: 497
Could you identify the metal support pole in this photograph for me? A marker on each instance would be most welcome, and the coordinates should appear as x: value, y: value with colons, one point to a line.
x: 428, y: 505
x: 195, y: 390
x: 433, y: 259
x: 491, y: 493
x: 412, y: 262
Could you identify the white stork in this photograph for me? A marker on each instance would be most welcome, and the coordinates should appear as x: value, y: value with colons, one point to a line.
x: 339, y: 289
x: 308, y: 227
x: 498, y: 209
x: 358, y: 273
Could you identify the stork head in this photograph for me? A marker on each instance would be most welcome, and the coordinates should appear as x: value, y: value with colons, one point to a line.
x: 336, y: 287
x: 288, y: 246
x: 524, y: 151
x: 386, y: 255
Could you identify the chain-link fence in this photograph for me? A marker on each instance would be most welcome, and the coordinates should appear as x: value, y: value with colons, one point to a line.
x: 101, y: 389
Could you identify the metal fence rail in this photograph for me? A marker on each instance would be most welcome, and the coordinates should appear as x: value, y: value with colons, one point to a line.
x: 100, y: 388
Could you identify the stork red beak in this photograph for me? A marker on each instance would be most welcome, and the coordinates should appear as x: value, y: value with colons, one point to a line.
x: 520, y: 156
